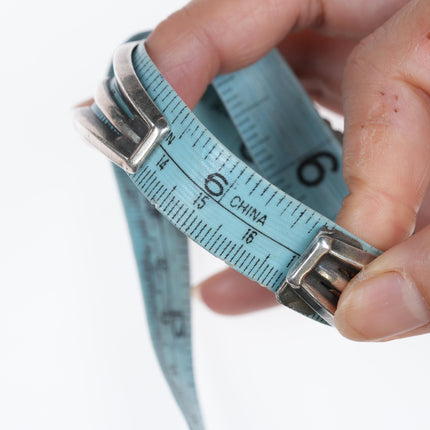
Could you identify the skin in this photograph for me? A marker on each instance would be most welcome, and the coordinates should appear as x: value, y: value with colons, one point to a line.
x: 367, y: 59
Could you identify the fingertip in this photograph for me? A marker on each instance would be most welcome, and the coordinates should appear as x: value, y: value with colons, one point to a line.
x: 343, y: 323
x: 84, y: 103
x: 181, y: 57
x: 231, y: 293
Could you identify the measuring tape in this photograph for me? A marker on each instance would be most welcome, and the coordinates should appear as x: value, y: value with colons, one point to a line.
x: 246, y: 200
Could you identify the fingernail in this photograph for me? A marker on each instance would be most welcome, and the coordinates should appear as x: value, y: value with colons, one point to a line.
x: 381, y: 307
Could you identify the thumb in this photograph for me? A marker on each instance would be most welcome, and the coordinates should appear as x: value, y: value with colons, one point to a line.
x: 390, y: 298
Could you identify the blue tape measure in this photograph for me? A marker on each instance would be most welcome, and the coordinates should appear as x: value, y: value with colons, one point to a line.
x: 263, y: 200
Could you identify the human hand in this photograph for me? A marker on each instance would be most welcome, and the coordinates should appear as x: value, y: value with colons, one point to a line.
x: 386, y: 102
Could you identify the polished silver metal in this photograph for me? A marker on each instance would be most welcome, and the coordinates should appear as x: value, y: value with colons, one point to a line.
x: 136, y: 126
x: 321, y: 273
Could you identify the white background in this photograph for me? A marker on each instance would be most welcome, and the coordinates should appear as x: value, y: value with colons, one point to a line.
x: 74, y: 346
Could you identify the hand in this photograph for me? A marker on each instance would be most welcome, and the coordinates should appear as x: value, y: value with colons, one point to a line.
x: 385, y: 97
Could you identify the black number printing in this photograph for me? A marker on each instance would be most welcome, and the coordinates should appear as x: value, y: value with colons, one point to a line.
x: 315, y: 161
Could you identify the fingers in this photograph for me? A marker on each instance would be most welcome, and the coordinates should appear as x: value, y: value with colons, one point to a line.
x: 387, y: 128
x: 211, y: 36
x: 85, y: 103
x: 391, y: 297
x: 232, y: 293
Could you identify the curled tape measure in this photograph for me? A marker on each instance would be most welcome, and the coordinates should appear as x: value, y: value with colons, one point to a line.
x: 246, y: 200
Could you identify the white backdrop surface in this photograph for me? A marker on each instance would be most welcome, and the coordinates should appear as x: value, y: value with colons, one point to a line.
x: 74, y: 346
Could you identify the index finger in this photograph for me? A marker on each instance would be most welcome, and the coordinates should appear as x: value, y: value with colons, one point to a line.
x: 210, y: 36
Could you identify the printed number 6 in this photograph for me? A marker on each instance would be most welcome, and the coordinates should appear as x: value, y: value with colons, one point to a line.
x: 314, y: 160
x: 214, y: 184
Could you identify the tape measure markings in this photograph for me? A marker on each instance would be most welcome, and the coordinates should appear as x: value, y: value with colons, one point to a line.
x: 141, y: 181
x: 260, y: 180
x: 209, y: 192
x: 269, y: 134
x: 161, y: 253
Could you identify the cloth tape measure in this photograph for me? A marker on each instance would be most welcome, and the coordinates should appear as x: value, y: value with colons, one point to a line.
x: 246, y: 200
